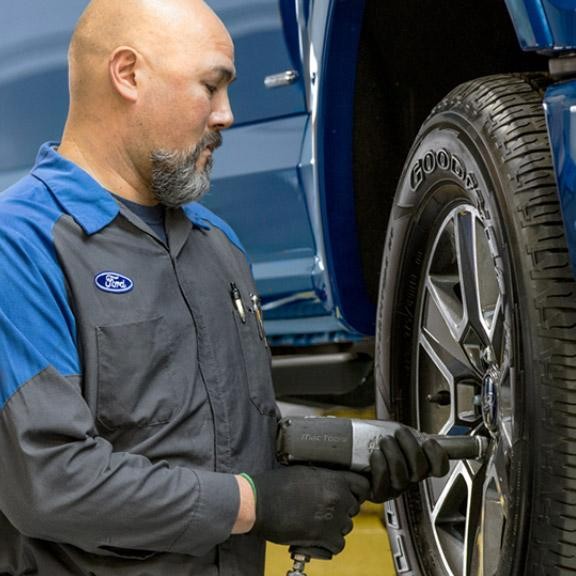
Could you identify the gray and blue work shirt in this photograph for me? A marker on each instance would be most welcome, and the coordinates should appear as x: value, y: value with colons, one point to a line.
x: 131, y: 389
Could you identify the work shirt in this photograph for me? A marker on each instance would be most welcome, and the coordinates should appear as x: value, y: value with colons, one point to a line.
x: 134, y: 382
x: 153, y: 216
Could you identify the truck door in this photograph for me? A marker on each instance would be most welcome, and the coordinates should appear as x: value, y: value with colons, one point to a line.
x: 257, y: 186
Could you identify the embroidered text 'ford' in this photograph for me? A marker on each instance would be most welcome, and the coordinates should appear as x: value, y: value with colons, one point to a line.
x: 113, y: 282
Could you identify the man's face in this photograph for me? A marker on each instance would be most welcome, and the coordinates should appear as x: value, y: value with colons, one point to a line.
x: 184, y: 109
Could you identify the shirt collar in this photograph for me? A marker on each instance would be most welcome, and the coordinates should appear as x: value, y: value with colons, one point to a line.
x: 91, y: 205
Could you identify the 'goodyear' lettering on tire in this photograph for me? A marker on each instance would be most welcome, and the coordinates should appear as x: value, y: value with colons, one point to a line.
x: 441, y: 160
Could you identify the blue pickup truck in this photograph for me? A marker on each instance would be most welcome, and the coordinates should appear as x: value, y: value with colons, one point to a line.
x: 403, y: 177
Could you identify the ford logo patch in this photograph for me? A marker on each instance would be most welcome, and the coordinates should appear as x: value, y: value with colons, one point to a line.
x: 113, y: 282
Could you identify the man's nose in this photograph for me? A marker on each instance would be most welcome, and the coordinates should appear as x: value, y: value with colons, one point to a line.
x: 222, y: 116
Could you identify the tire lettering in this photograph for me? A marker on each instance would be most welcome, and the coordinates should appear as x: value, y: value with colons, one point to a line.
x: 470, y: 182
x: 457, y: 168
x: 391, y: 514
x: 429, y: 162
x: 416, y: 175
x: 443, y: 160
x: 400, y: 557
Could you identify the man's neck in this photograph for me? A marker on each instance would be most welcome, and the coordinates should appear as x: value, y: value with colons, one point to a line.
x: 108, y: 166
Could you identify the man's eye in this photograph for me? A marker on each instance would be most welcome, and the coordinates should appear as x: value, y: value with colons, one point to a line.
x: 211, y: 89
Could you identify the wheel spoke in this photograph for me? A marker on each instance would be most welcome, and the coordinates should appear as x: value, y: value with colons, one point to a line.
x: 451, y: 519
x: 443, y: 283
x: 499, y: 469
x: 439, y: 321
x: 491, y: 284
x: 506, y: 400
x: 499, y: 333
x: 494, y: 511
x: 458, y: 510
x: 441, y: 373
x: 468, y: 262
x: 449, y: 365
x: 474, y: 518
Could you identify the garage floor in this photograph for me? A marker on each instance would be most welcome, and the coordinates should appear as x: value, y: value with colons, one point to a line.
x: 367, y: 551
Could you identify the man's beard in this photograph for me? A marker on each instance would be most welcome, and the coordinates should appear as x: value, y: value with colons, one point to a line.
x: 176, y: 178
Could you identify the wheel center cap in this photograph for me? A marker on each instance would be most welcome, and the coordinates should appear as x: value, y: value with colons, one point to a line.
x: 490, y: 399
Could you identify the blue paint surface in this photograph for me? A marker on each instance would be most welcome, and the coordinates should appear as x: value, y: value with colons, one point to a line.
x: 560, y: 103
x: 545, y: 25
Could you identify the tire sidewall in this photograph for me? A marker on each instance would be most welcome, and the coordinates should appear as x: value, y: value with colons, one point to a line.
x: 451, y: 163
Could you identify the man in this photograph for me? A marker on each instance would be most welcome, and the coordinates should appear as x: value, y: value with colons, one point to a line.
x: 137, y: 416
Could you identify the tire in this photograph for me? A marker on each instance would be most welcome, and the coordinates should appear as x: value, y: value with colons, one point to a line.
x: 476, y: 335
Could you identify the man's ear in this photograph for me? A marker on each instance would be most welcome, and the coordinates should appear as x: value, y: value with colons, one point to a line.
x: 123, y: 66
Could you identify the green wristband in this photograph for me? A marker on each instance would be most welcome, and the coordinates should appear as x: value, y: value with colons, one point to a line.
x: 251, y: 482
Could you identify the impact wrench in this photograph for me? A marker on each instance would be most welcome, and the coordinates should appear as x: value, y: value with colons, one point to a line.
x: 347, y: 444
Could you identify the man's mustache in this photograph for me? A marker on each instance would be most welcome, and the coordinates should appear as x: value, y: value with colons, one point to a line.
x: 212, y: 140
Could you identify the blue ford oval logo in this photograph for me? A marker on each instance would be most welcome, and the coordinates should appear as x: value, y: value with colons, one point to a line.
x: 113, y: 282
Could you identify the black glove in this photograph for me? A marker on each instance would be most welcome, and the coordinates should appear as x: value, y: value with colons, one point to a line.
x: 401, y: 462
x: 308, y: 507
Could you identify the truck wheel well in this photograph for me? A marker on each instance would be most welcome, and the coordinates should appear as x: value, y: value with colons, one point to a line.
x: 411, y: 54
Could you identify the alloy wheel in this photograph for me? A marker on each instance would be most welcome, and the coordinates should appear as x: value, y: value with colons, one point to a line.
x: 464, y: 385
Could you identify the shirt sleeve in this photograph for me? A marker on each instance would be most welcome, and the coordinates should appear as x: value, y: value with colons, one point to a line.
x: 60, y: 481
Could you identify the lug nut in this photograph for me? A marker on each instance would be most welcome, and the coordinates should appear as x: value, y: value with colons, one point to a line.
x: 441, y: 398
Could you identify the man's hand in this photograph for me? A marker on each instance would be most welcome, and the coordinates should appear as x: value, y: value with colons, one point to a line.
x: 401, y: 462
x: 309, y: 507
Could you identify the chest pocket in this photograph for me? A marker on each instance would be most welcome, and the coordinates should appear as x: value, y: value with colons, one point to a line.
x: 257, y: 363
x: 136, y: 381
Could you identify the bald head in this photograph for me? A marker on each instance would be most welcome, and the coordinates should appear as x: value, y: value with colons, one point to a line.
x: 150, y: 77
x: 164, y: 32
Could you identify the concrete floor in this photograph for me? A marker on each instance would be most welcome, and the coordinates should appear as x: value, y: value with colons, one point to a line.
x: 367, y: 551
